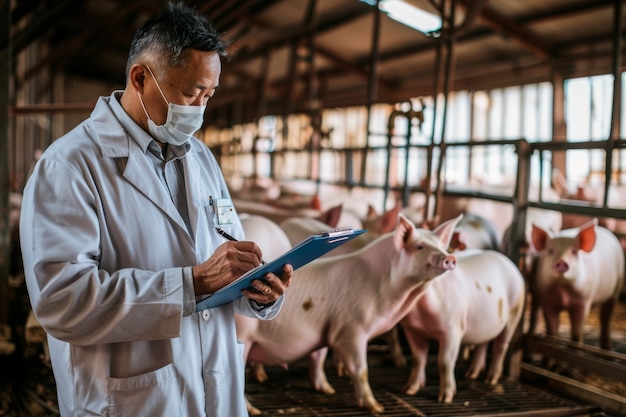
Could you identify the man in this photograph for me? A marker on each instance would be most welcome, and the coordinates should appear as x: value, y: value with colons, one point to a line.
x: 119, y: 242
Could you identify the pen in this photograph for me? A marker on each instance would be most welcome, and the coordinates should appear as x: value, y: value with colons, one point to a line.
x: 232, y: 239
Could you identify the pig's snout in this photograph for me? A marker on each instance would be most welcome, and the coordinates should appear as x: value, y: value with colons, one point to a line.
x: 448, y: 262
x: 561, y: 266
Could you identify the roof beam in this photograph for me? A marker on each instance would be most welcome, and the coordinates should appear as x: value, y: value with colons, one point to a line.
x: 40, y: 25
x: 518, y: 33
x: 403, y: 51
x: 308, y: 30
x: 280, y: 37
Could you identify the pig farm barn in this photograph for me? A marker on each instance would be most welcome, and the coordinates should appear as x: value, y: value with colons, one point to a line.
x: 370, y: 114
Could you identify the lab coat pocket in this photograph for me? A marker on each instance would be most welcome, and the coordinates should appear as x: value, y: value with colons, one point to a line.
x: 154, y: 393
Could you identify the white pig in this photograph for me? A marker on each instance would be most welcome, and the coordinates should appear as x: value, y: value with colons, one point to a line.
x: 481, y: 300
x: 475, y: 232
x: 268, y: 235
x: 471, y: 232
x: 343, y: 301
x: 577, y: 269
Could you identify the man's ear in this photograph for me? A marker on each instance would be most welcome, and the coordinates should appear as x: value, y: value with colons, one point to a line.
x: 137, y: 77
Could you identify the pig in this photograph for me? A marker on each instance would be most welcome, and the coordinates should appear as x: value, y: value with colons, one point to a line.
x: 577, y: 268
x: 500, y: 213
x: 481, y: 300
x: 471, y: 232
x: 266, y: 234
x: 335, y: 216
x: 475, y: 232
x: 343, y: 301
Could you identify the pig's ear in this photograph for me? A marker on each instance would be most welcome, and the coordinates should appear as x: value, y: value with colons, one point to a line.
x: 538, y: 238
x: 388, y: 219
x: 587, y: 235
x: 457, y: 244
x: 371, y: 212
x: 445, y: 230
x: 331, y: 216
x: 404, y: 232
x: 315, y: 203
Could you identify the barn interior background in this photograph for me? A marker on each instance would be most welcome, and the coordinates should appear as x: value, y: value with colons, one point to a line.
x: 517, y: 103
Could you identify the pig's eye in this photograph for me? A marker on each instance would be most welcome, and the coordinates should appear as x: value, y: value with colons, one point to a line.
x: 574, y: 251
x: 550, y: 251
x: 419, y: 246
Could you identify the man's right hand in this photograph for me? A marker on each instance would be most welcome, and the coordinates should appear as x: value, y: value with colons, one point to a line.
x: 230, y: 261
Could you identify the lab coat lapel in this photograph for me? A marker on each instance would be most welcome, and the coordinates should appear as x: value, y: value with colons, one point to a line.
x: 139, y: 173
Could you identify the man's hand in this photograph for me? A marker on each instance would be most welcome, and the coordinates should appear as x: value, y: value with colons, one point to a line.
x: 230, y: 261
x: 273, y: 287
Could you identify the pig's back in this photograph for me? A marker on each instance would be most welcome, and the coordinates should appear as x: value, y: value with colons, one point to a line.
x: 481, y: 292
x: 495, y: 287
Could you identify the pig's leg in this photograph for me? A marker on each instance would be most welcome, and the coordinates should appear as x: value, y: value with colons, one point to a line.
x: 499, y: 347
x: 317, y: 373
x: 535, y: 305
x: 341, y: 371
x: 252, y: 410
x: 577, y: 316
x: 353, y: 353
x: 551, y: 316
x: 258, y: 371
x: 419, y: 358
x: 395, y: 349
x: 478, y: 361
x: 501, y: 344
x: 449, y: 347
x: 606, y: 311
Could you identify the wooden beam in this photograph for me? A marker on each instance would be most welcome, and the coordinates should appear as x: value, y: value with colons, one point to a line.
x: 88, y: 42
x: 251, y: 46
x: 51, y: 108
x: 39, y: 26
x: 5, y: 84
x: 518, y: 33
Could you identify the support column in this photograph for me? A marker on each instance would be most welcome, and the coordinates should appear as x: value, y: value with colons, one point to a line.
x: 5, y: 87
x: 559, y: 128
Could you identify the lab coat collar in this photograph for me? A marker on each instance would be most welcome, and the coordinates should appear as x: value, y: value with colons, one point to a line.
x: 123, y: 139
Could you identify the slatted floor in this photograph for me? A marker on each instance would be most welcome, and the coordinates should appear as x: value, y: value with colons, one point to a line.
x: 289, y: 393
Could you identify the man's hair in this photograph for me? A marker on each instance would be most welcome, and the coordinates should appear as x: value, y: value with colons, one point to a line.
x: 165, y: 38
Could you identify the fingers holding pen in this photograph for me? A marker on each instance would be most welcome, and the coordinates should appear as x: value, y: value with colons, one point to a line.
x: 229, y: 262
x: 239, y: 257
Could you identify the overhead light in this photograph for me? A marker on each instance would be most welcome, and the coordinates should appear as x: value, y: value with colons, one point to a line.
x: 409, y: 15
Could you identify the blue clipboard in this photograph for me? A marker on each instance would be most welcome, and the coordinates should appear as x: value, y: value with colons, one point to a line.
x: 301, y: 254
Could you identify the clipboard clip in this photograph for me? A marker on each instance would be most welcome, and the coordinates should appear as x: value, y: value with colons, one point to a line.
x: 338, y: 233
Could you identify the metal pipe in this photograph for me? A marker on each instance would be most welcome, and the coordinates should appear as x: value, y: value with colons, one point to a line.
x: 429, y: 153
x: 372, y: 86
x: 617, y: 89
x: 449, y: 37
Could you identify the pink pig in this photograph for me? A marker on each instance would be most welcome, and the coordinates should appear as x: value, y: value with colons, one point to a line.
x: 481, y: 300
x: 578, y: 268
x: 343, y: 301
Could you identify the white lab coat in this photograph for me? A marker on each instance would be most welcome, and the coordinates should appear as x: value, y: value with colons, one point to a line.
x: 104, y: 249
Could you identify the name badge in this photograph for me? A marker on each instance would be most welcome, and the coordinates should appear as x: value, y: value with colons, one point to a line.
x: 224, y: 210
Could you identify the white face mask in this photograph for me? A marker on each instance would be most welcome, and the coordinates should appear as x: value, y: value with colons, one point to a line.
x: 181, y: 122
